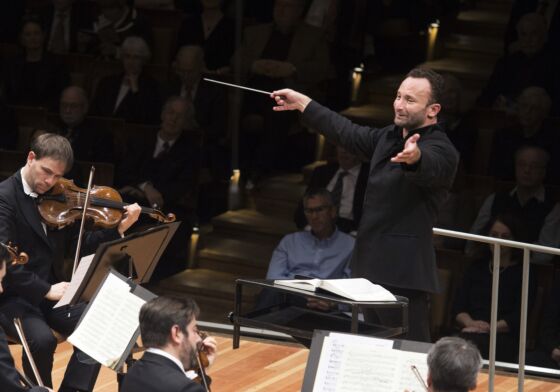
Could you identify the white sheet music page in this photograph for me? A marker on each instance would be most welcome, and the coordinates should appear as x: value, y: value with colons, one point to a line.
x: 110, y: 322
x: 355, y: 364
x: 76, y: 281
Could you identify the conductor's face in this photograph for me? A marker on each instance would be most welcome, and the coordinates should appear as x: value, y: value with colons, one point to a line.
x: 42, y: 174
x: 412, y: 104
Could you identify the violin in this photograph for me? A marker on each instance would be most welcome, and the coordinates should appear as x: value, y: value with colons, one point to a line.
x: 202, y: 363
x: 64, y: 204
x: 15, y: 256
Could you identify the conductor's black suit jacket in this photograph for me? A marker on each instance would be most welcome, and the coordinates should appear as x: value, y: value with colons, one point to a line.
x: 394, y: 242
x: 20, y: 223
x: 155, y: 373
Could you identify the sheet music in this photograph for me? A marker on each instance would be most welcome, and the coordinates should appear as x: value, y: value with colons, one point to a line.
x: 110, y: 323
x: 351, y: 363
x: 76, y: 281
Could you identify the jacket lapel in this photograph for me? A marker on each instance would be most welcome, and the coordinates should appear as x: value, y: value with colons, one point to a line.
x: 29, y: 209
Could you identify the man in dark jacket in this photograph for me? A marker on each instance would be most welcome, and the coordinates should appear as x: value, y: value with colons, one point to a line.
x: 412, y: 167
x: 170, y: 334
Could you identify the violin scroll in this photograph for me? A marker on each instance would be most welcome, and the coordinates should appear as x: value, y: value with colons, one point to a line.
x: 15, y: 256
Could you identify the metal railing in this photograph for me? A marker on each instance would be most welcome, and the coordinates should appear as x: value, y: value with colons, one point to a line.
x: 527, y: 248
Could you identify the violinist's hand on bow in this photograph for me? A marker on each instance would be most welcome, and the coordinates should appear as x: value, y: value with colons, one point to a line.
x: 211, y: 348
x: 56, y: 291
x: 288, y: 99
x: 411, y: 153
x: 130, y: 216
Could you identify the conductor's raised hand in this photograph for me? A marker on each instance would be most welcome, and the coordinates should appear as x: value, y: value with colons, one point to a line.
x: 411, y: 152
x: 130, y: 216
x: 288, y: 99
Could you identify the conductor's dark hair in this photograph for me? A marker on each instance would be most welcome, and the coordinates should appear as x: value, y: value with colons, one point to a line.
x: 436, y: 82
x: 159, y: 315
x: 453, y: 364
x: 50, y: 145
x: 318, y: 192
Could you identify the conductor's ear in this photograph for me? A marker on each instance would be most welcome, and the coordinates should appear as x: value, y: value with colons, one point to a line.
x: 433, y: 110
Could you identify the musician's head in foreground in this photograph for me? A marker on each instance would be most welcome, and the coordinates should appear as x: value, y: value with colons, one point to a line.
x: 453, y: 365
x: 169, y: 324
x: 49, y: 158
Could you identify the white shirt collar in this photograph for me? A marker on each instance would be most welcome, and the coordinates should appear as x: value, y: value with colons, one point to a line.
x: 539, y: 194
x: 355, y: 171
x: 26, y: 187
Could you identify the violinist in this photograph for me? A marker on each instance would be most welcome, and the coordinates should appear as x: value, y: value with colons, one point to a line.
x: 9, y: 377
x: 31, y: 290
x: 169, y: 332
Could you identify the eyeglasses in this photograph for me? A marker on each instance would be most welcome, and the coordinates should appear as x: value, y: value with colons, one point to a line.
x: 318, y: 209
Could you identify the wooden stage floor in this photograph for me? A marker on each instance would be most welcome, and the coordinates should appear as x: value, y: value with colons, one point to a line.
x: 265, y: 366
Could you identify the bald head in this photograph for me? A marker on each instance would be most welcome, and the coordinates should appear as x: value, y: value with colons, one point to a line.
x: 74, y: 106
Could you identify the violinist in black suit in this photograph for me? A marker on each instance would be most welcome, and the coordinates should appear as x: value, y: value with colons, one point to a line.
x: 346, y: 180
x: 33, y: 289
x: 9, y: 377
x: 170, y: 334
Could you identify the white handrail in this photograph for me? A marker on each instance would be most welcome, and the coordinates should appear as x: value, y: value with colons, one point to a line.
x: 527, y: 248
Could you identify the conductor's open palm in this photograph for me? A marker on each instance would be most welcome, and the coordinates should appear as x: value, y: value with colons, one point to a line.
x: 411, y: 152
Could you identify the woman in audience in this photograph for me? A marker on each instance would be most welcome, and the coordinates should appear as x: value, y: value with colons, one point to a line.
x: 131, y: 95
x: 473, y: 299
x: 33, y: 77
x: 213, y: 31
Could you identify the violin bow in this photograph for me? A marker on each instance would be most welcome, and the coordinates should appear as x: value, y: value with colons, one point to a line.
x: 19, y: 329
x: 82, y: 223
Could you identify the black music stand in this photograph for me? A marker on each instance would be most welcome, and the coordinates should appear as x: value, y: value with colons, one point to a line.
x: 135, y: 255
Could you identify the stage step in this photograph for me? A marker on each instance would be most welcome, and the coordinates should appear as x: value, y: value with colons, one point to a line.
x: 214, y: 291
x: 487, y: 49
x: 472, y: 73
x: 234, y: 256
x: 252, y: 225
x: 279, y: 195
x: 372, y: 115
x: 484, y: 23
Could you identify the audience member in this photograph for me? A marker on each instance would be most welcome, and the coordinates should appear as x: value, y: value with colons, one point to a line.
x: 131, y: 95
x: 453, y: 365
x: 549, y: 236
x: 471, y: 308
x: 170, y: 334
x: 458, y: 122
x: 33, y: 78
x: 162, y: 172
x: 547, y: 352
x: 89, y: 143
x: 346, y: 179
x: 116, y: 21
x: 532, y: 128
x: 63, y: 19
x: 530, y: 65
x: 213, y: 31
x: 528, y: 200
x: 286, y: 52
x: 324, y: 252
x: 209, y: 102
x: 548, y: 9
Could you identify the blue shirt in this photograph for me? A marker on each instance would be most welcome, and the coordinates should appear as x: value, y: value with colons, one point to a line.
x: 302, y: 253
